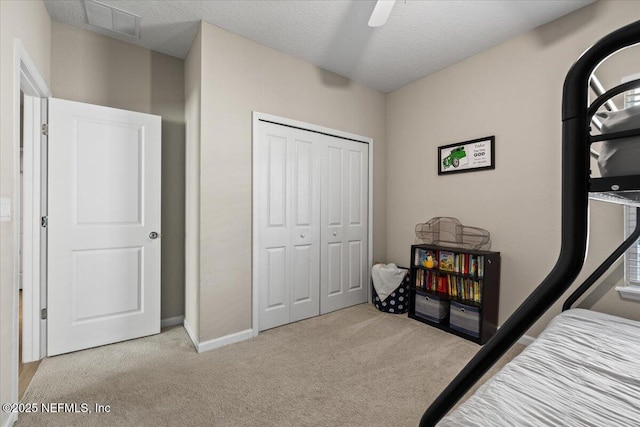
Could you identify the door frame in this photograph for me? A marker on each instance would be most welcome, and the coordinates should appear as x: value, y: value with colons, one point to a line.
x: 27, y: 78
x: 34, y: 248
x: 257, y: 117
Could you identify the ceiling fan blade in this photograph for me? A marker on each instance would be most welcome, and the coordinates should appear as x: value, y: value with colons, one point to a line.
x: 381, y: 13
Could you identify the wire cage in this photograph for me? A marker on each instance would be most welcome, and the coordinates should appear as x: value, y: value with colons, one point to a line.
x: 448, y: 231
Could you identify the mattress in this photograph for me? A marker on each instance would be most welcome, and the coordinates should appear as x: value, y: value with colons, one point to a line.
x: 620, y: 156
x: 583, y: 370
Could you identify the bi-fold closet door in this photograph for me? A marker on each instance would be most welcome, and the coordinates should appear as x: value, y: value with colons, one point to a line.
x: 312, y: 223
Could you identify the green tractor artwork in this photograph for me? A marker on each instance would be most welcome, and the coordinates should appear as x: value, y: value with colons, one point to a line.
x: 456, y: 157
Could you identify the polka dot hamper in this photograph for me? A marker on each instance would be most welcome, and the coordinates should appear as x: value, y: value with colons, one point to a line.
x: 397, y: 302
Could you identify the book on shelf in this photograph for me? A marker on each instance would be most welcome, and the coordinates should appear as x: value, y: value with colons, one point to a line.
x: 464, y: 288
x: 446, y: 261
x: 461, y: 263
x: 423, y: 256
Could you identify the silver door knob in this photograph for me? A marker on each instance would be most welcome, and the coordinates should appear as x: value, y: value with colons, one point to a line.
x: 335, y: 233
x: 302, y: 235
x: 153, y: 235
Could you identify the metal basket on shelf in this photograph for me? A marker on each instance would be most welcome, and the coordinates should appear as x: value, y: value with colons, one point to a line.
x: 448, y: 231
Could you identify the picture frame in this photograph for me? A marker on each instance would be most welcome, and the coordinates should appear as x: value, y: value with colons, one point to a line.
x: 468, y: 156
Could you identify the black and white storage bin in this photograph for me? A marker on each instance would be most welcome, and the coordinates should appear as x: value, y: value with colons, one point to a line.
x: 431, y: 307
x: 465, y: 318
x: 397, y: 302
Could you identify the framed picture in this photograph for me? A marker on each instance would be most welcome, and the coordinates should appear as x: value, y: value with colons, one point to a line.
x: 468, y: 156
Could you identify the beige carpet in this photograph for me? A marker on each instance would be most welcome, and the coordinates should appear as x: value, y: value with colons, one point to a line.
x: 353, y: 367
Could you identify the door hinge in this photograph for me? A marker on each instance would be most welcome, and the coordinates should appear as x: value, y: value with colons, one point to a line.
x: 45, y: 129
x: 43, y: 314
x: 44, y: 221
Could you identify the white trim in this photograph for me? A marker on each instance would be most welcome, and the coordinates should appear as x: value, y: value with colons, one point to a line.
x: 308, y: 126
x: 217, y: 342
x: 187, y: 328
x: 31, y: 81
x: 31, y: 244
x: 255, y: 225
x: 11, y: 420
x: 629, y: 292
x: 256, y: 117
x: 370, y: 220
x: 526, y: 340
x: 225, y: 340
x: 171, y: 321
x: 26, y: 77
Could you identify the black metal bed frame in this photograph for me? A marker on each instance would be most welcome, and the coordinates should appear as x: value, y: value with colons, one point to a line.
x: 576, y: 184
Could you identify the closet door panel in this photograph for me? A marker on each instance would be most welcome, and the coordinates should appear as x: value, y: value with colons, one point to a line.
x: 277, y: 181
x: 274, y: 228
x: 302, y: 280
x: 334, y: 190
x: 356, y: 258
x: 344, y: 225
x: 355, y: 188
x: 356, y: 230
x: 305, y: 236
x: 332, y: 256
x: 334, y: 274
x: 276, y: 277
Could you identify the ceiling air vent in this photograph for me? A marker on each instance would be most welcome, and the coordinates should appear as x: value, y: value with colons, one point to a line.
x: 113, y: 19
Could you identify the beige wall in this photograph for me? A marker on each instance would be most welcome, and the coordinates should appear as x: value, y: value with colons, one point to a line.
x: 30, y: 22
x: 512, y: 91
x: 88, y: 67
x: 240, y: 76
x: 193, y: 77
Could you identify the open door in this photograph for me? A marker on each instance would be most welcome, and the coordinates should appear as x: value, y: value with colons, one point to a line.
x: 33, y: 238
x: 103, y: 226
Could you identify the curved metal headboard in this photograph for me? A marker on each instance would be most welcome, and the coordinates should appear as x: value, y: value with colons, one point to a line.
x: 575, y: 182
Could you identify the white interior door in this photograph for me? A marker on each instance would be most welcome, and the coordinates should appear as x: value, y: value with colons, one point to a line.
x: 344, y: 242
x: 104, y: 205
x: 289, y: 225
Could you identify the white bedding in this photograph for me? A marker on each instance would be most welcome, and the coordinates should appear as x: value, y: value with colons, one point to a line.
x: 386, y: 279
x: 583, y: 370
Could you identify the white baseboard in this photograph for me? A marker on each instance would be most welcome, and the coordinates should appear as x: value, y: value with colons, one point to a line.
x: 10, y: 420
x: 193, y: 337
x: 216, y: 342
x: 171, y: 321
x: 526, y: 340
x: 225, y: 340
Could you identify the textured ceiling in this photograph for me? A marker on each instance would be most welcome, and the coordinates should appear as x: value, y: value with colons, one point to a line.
x: 419, y: 38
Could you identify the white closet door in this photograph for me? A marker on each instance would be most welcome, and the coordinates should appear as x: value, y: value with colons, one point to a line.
x: 344, y: 242
x: 288, y: 225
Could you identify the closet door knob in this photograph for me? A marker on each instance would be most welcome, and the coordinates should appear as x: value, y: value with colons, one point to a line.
x: 335, y: 233
x: 302, y: 235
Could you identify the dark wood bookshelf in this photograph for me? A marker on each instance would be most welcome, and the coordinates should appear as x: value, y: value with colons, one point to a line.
x: 472, y: 315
